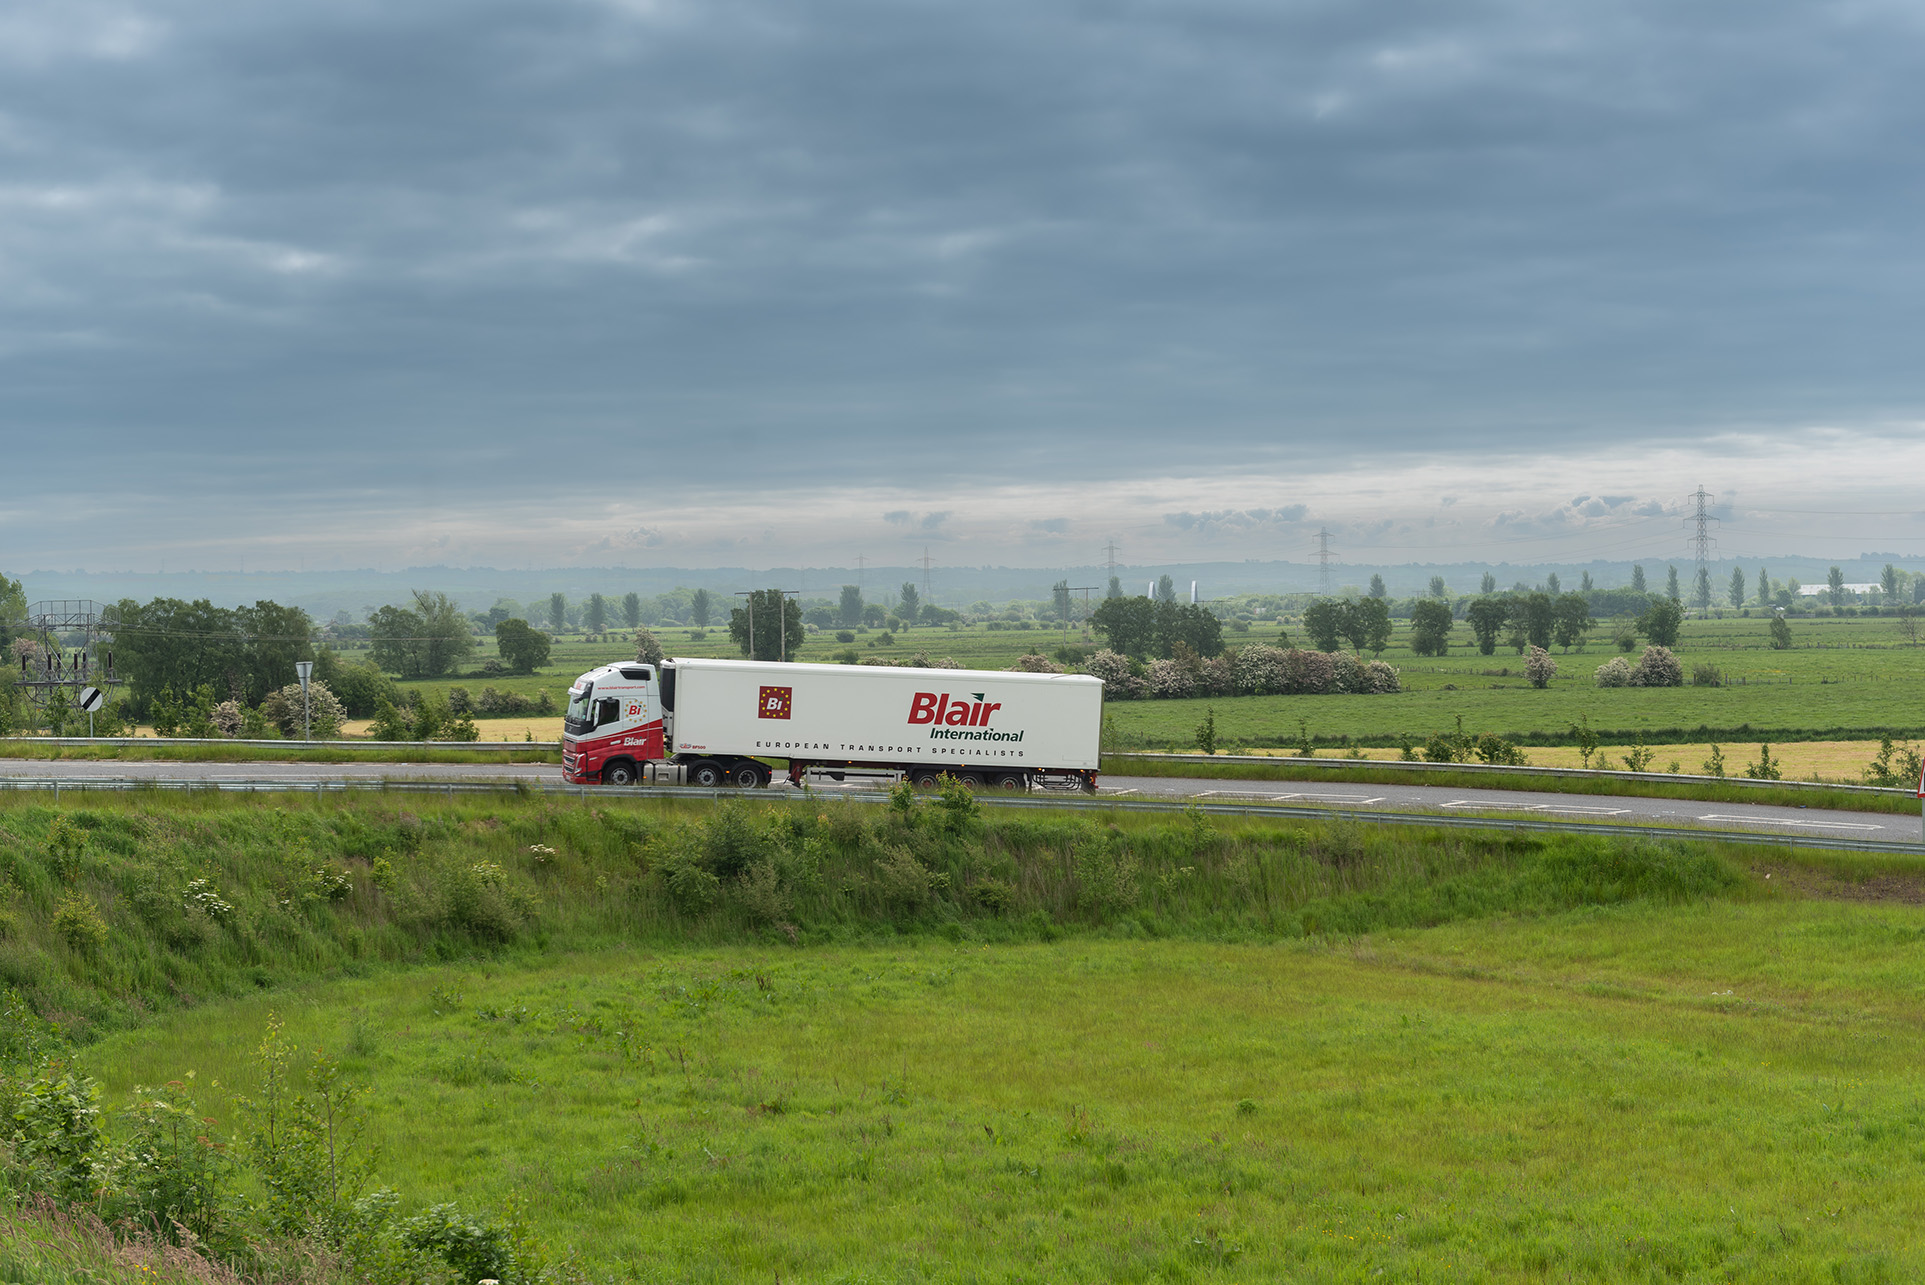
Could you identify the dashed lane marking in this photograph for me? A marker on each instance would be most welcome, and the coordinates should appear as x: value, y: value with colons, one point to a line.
x: 1797, y: 821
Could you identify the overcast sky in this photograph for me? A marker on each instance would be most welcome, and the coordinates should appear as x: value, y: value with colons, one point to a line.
x: 740, y: 281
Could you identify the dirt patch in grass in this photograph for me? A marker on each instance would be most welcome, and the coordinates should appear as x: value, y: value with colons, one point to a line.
x: 1823, y: 885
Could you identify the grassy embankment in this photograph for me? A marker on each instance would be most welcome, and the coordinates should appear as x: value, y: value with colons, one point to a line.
x: 928, y: 1042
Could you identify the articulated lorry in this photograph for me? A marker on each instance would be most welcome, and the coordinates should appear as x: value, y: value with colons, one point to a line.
x: 719, y: 722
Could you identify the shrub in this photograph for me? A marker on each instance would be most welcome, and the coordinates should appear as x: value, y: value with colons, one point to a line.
x: 845, y: 636
x: 1614, y: 673
x: 648, y: 648
x: 325, y: 712
x: 361, y: 688
x: 1658, y: 667
x: 1706, y: 676
x: 1893, y: 766
x: 1035, y: 664
x: 1540, y: 668
x: 1259, y: 669
x: 1766, y: 768
x: 1105, y: 874
x: 228, y: 718
x: 460, y: 702
x: 1492, y: 748
x: 79, y: 923
x: 1346, y: 673
x: 1118, y: 676
x: 1380, y: 679
x: 1170, y: 681
x: 1626, y: 640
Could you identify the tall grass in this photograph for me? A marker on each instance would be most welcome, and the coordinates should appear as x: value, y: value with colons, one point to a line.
x: 137, y: 903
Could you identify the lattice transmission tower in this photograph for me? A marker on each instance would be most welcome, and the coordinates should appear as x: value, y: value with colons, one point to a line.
x: 1323, y: 561
x: 1702, y: 542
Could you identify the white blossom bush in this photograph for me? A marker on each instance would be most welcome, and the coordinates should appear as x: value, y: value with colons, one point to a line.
x: 227, y: 718
x: 1310, y: 673
x: 1170, y: 681
x: 1113, y: 669
x: 1380, y: 679
x: 1346, y: 673
x: 1658, y: 667
x: 1614, y: 673
x: 1540, y: 668
x: 1034, y: 664
x: 326, y: 713
x: 1260, y: 670
x: 1217, y: 676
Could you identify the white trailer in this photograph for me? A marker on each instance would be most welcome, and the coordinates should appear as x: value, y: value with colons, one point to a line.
x: 721, y: 720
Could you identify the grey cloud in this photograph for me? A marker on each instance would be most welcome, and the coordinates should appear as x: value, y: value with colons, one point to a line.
x: 1221, y: 521
x: 473, y: 244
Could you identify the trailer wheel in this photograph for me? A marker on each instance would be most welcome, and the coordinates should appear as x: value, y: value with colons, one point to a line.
x: 746, y: 777
x: 1011, y: 781
x: 707, y: 773
x: 970, y: 781
x: 620, y: 772
x: 925, y: 778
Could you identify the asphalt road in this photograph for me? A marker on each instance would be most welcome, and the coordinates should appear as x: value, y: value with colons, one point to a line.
x: 1337, y: 797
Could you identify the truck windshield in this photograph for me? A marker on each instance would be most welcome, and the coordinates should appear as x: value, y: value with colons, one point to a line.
x: 580, y: 714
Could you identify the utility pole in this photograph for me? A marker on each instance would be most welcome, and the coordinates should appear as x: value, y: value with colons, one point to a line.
x: 1323, y: 561
x: 927, y: 595
x: 1702, y: 541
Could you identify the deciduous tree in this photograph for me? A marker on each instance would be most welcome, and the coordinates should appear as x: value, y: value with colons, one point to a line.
x: 523, y: 648
x: 1573, y: 621
x: 778, y: 625
x: 1659, y: 624
x: 1430, y: 626
x: 1487, y: 616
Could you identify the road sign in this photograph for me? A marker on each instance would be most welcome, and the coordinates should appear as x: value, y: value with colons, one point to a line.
x: 91, y: 699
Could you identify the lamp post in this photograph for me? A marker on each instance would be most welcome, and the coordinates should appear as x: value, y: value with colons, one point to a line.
x: 304, y: 668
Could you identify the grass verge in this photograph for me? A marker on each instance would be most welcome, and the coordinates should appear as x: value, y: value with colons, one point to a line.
x: 1782, y: 794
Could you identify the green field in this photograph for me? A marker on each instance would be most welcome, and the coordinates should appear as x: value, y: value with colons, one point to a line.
x: 1715, y: 1091
x: 1842, y: 679
x: 922, y: 1042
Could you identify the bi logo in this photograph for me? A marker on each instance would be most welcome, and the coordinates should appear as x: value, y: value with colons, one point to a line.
x: 775, y: 702
x: 634, y: 710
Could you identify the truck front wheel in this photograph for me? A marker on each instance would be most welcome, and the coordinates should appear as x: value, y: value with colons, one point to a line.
x: 707, y: 774
x: 620, y: 772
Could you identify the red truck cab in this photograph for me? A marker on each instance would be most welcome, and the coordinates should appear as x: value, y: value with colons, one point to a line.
x: 613, y: 725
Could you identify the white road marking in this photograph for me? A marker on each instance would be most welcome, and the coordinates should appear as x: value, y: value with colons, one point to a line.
x: 1118, y: 793
x: 1798, y: 821
x: 1580, y: 809
x: 1328, y: 798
